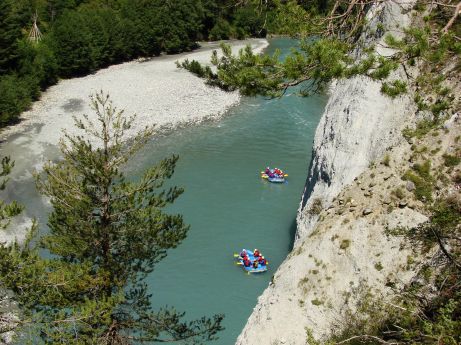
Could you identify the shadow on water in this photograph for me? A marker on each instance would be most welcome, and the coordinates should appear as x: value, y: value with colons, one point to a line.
x: 292, y: 232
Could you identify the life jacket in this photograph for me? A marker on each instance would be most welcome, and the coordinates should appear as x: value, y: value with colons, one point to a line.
x: 246, y: 262
x: 256, y: 253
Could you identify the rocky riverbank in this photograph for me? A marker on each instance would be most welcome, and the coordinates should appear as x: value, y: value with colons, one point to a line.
x: 154, y: 89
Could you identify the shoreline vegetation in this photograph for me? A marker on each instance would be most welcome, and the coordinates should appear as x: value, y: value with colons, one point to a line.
x: 44, y: 41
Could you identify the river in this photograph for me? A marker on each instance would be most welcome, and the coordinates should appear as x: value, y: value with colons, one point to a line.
x: 227, y: 204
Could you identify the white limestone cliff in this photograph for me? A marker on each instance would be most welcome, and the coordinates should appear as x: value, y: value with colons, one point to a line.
x: 342, y: 251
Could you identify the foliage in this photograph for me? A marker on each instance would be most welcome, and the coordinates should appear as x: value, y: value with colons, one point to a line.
x: 345, y: 244
x: 263, y: 74
x: 10, y: 33
x: 422, y: 128
x: 195, y: 68
x: 331, y: 33
x: 421, y: 177
x: 106, y: 235
x: 317, y: 207
x: 15, y: 98
x: 438, y: 319
x: 386, y: 160
x: 450, y: 160
x: 221, y: 31
x: 7, y: 211
x: 393, y: 89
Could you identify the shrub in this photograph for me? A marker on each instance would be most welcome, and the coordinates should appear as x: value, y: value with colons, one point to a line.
x: 394, y: 89
x: 423, y: 170
x: 317, y: 302
x: 15, y: 97
x: 398, y: 192
x: 422, y: 180
x: 379, y: 266
x: 386, y: 160
x: 422, y: 128
x: 345, y: 244
x: 195, y: 67
x: 316, y: 206
x: 423, y: 190
x: 450, y: 161
x: 221, y: 31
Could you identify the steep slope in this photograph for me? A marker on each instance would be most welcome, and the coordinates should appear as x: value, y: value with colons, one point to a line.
x: 341, y: 252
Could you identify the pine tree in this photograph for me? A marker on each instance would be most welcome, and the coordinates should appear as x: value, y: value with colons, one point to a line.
x: 10, y: 33
x: 7, y: 211
x: 109, y: 232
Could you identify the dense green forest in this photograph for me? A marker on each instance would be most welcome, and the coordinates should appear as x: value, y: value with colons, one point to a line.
x: 81, y: 36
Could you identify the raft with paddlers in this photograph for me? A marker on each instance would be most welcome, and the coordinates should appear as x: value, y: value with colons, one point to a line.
x: 251, y: 261
x: 274, y: 175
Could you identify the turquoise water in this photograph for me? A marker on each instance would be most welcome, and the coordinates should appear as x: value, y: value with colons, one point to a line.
x: 229, y: 207
x: 227, y: 204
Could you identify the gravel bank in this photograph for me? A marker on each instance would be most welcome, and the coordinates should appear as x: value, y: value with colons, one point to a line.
x: 155, y: 89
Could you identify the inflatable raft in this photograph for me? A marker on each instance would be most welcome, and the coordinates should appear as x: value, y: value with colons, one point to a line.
x: 274, y: 177
x: 250, y: 269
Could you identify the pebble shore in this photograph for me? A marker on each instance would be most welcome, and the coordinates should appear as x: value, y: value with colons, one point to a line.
x: 154, y: 89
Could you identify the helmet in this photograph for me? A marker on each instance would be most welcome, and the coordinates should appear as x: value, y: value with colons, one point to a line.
x: 262, y: 257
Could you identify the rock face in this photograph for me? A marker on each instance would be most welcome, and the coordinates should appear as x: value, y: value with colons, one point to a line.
x: 359, y: 123
x: 343, y: 252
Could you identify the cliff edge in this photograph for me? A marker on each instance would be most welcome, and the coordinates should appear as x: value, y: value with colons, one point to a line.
x: 341, y: 252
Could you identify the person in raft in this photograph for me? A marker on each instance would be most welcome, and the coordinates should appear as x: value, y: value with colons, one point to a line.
x: 256, y: 253
x: 255, y: 264
x: 262, y: 261
x: 267, y: 171
x: 243, y: 253
x: 246, y: 262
